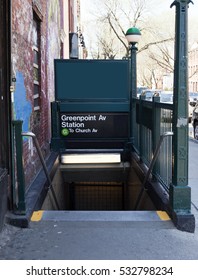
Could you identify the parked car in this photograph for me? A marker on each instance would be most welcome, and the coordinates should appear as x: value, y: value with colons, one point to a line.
x: 193, y: 97
x: 140, y: 90
x: 166, y: 96
x: 192, y: 100
x: 195, y: 121
x: 190, y: 112
x: 150, y: 93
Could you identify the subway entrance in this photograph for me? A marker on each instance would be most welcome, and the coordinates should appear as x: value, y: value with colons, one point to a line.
x: 101, y: 186
x: 91, y: 132
x: 96, y: 196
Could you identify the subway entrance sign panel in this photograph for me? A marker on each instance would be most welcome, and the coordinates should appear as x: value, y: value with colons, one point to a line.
x: 94, y: 125
x: 92, y: 104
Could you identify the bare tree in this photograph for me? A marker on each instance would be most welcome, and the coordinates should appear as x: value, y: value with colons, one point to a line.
x: 119, y: 16
x: 163, y: 56
x: 107, y: 48
x: 114, y: 13
x: 114, y: 17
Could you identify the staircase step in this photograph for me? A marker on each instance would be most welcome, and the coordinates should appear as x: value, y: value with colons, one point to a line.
x: 100, y: 216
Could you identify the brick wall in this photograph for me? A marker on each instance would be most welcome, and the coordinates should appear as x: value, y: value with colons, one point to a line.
x: 37, y: 121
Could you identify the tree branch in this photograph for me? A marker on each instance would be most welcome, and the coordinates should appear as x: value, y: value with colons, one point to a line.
x: 145, y: 47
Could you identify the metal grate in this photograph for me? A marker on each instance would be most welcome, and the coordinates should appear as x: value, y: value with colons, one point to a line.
x: 96, y: 196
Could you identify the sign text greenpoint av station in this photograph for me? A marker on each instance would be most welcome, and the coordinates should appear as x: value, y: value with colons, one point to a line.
x: 93, y: 125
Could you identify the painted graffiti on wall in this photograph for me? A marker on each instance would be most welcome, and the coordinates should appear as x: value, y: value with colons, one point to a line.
x: 22, y: 107
x: 37, y: 120
x: 22, y: 62
x: 53, y: 45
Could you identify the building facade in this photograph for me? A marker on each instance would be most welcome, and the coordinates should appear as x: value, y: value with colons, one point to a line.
x: 33, y: 33
x: 35, y: 42
x: 193, y: 68
x: 5, y: 110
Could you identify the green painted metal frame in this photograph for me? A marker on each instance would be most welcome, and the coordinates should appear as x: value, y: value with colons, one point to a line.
x: 180, y: 192
x: 152, y: 122
x: 91, y: 81
x: 18, y: 178
x: 133, y: 93
x: 102, y: 87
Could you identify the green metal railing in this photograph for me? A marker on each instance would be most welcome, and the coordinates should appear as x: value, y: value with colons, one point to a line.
x: 151, y: 166
x: 153, y: 119
x: 18, y: 188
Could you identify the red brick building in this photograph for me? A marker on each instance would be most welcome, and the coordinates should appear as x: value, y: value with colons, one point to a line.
x: 38, y: 37
x: 33, y: 33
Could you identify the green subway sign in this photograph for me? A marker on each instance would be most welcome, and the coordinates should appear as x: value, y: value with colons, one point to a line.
x: 92, y: 104
x: 94, y: 125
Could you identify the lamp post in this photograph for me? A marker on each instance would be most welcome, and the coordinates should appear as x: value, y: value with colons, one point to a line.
x: 133, y: 36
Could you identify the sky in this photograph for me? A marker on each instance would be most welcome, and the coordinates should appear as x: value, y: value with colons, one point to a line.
x: 157, y: 6
x: 155, y: 9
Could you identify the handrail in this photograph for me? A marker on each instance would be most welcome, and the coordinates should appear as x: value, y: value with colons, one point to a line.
x: 33, y: 136
x: 156, y: 153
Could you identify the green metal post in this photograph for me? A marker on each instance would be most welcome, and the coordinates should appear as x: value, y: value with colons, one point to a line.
x: 55, y: 115
x: 133, y: 94
x: 180, y: 192
x: 156, y: 112
x: 20, y: 204
x: 142, y: 98
x: 13, y: 180
x: 55, y: 119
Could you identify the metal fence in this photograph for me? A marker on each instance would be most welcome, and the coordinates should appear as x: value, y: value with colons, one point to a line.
x: 153, y: 119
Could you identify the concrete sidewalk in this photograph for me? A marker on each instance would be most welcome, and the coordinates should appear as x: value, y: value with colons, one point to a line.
x: 193, y: 178
x: 143, y: 239
x: 193, y: 172
x: 56, y: 237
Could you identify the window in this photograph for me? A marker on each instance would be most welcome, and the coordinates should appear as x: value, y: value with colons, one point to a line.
x: 36, y: 62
